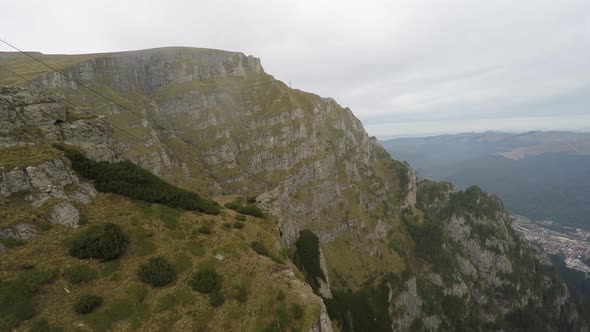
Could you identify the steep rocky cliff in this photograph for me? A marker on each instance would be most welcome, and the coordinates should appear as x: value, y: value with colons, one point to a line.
x: 45, y: 204
x: 393, y: 254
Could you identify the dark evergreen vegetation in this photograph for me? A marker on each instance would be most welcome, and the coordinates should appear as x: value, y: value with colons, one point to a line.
x: 87, y: 303
x: 296, y: 311
x: 127, y: 179
x: 363, y: 310
x: 17, y: 295
x: 206, y: 281
x: 104, y: 242
x: 259, y: 248
x: 157, y: 271
x: 307, y: 258
x: 250, y: 210
x: 216, y: 298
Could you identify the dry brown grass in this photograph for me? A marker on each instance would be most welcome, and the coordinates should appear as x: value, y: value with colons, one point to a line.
x: 242, y: 266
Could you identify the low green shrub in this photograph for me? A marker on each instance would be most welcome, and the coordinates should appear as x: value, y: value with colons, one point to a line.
x: 80, y: 273
x: 44, y: 226
x: 205, y: 229
x: 216, y: 298
x: 157, y: 271
x: 17, y: 295
x: 205, y: 281
x: 232, y: 205
x: 87, y: 303
x: 11, y: 242
x: 259, y: 248
x: 227, y: 225
x: 242, y: 293
x: 104, y: 242
x: 240, y: 217
x: 251, y: 210
x: 296, y: 311
x: 238, y: 225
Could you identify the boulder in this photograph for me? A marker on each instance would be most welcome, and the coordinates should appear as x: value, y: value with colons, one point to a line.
x: 64, y: 213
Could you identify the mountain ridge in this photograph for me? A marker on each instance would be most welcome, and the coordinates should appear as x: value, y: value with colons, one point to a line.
x: 379, y: 230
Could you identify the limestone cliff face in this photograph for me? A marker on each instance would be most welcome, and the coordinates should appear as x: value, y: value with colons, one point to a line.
x: 215, y: 122
x: 36, y: 181
x: 482, y: 274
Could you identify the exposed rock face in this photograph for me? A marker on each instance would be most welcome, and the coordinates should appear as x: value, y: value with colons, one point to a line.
x: 214, y: 122
x: 409, y: 305
x: 29, y: 120
x: 323, y: 324
x: 64, y: 213
x: 21, y: 231
x: 480, y: 255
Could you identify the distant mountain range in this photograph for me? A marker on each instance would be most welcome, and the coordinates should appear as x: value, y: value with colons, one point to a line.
x: 542, y: 175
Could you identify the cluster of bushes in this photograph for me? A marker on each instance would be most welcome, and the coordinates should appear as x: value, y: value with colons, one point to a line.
x: 87, y: 303
x: 307, y: 258
x: 127, y: 179
x: 208, y: 281
x: 157, y: 271
x: 16, y: 297
x: 80, y: 273
x: 474, y: 201
x: 259, y: 248
x: 104, y: 242
x: 284, y: 315
x: 250, y: 210
x: 430, y: 192
x: 429, y: 242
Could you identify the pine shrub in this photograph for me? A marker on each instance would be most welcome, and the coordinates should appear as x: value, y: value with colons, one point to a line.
x: 259, y: 248
x: 157, y: 271
x: 87, y: 303
x: 104, y: 242
x: 206, y: 281
x: 127, y: 179
x: 216, y: 298
x: 297, y: 311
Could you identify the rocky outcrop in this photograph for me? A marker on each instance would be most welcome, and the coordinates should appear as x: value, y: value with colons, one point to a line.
x: 407, y: 307
x: 323, y: 324
x: 29, y: 117
x: 38, y: 173
x: 64, y: 213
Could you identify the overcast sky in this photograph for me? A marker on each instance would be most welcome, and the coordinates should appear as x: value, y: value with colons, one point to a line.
x: 405, y: 68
